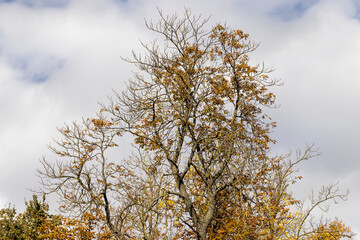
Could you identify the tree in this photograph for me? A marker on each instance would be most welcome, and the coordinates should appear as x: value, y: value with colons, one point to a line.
x: 10, y: 227
x: 26, y: 225
x: 36, y: 223
x: 202, y: 167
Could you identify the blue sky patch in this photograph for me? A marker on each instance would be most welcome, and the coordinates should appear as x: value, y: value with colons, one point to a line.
x: 357, y: 9
x: 39, y: 77
x: 39, y: 3
x: 36, y: 68
x: 293, y: 10
x: 120, y: 2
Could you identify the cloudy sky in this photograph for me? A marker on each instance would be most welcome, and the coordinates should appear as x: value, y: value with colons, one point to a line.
x: 59, y: 58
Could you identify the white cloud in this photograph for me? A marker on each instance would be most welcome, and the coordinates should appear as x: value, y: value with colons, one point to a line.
x: 80, y: 56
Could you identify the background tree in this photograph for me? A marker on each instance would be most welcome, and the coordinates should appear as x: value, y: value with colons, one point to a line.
x: 36, y: 223
x: 33, y: 218
x: 202, y: 167
x: 10, y: 226
x: 26, y: 225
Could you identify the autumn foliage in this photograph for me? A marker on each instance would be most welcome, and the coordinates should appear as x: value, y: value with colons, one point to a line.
x: 202, y: 166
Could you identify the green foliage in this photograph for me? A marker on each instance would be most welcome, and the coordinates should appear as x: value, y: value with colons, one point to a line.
x: 34, y: 216
x: 10, y: 224
x: 26, y: 225
x: 36, y: 223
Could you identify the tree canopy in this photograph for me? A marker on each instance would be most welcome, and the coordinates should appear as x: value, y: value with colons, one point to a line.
x: 202, y: 166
